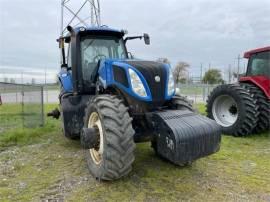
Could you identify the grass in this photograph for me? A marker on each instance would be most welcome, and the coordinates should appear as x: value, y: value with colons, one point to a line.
x: 201, y: 108
x: 11, y: 114
x: 45, y: 165
x: 15, y: 116
x: 52, y: 87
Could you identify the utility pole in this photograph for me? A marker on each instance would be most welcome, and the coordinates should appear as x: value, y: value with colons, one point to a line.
x: 62, y: 18
x: 187, y: 81
x: 46, y: 84
x: 45, y: 76
x: 230, y: 73
x: 238, y: 66
x: 201, y: 72
x: 22, y: 77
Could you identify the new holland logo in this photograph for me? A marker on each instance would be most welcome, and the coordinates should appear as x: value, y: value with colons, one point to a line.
x: 157, y: 79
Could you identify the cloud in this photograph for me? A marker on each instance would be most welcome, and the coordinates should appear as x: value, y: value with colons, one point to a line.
x: 206, y: 31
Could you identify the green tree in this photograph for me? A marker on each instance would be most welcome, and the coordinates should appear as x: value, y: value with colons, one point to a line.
x: 180, y: 72
x: 213, y: 76
x: 12, y: 80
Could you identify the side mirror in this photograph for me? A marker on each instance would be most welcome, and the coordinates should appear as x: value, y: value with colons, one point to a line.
x: 146, y: 39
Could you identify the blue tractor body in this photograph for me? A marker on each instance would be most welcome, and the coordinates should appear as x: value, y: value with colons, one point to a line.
x: 110, y: 100
x: 108, y: 78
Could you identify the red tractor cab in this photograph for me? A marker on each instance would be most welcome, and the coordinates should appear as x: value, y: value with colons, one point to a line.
x: 244, y: 108
x: 258, y: 70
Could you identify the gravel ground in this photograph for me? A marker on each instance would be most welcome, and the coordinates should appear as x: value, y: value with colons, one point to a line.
x: 55, y: 170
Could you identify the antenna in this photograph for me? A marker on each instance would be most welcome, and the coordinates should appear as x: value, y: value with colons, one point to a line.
x: 79, y: 12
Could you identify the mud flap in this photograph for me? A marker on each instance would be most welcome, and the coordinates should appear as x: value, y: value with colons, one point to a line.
x: 183, y: 136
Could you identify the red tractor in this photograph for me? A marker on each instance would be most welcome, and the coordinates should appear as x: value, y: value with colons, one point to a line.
x: 244, y: 108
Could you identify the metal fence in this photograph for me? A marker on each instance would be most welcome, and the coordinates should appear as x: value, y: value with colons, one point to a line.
x: 20, y: 106
x: 198, y: 93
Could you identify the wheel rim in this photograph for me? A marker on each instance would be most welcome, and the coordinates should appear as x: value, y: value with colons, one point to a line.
x: 225, y: 111
x: 97, y: 152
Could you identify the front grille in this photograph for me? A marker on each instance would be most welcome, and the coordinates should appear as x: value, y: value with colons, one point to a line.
x: 150, y: 70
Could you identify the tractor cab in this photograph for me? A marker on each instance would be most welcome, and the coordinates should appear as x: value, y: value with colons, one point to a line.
x: 87, y: 50
x: 94, y: 49
x: 259, y: 62
x: 258, y: 69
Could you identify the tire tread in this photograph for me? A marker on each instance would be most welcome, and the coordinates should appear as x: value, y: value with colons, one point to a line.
x: 117, y: 126
x: 248, y: 120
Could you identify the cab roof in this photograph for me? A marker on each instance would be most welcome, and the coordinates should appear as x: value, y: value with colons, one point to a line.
x: 258, y: 50
x: 103, y: 30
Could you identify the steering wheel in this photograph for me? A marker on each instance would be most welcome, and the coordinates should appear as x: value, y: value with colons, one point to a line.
x: 99, y: 57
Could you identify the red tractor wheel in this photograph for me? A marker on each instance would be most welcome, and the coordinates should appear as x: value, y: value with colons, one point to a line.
x: 264, y: 107
x: 234, y: 109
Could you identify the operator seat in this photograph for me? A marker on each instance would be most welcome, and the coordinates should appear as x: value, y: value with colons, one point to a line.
x: 90, y: 69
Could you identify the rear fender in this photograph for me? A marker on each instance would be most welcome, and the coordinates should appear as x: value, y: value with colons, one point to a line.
x: 262, y: 82
x: 72, y: 114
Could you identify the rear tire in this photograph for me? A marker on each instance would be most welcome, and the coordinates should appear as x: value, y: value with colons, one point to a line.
x: 264, y: 107
x: 113, y: 156
x: 233, y: 107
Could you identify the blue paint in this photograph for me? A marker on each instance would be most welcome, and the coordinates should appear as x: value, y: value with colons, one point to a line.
x: 107, y: 78
x: 65, y: 78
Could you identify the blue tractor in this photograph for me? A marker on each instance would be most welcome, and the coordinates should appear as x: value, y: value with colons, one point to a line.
x: 111, y: 101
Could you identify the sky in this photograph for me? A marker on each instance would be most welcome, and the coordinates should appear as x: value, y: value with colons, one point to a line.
x: 199, y: 31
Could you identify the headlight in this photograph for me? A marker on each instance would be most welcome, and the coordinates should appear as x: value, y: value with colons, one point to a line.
x: 136, y: 84
x: 171, y: 86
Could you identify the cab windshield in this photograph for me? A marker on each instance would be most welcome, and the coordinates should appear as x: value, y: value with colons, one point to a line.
x: 259, y: 64
x: 94, y: 49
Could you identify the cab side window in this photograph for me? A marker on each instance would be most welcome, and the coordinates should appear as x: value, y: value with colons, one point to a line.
x: 259, y: 64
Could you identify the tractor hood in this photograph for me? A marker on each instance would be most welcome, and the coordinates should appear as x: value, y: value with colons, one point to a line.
x: 154, y: 76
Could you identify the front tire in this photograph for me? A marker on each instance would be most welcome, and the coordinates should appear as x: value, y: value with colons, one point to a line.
x: 113, y: 155
x: 234, y: 109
